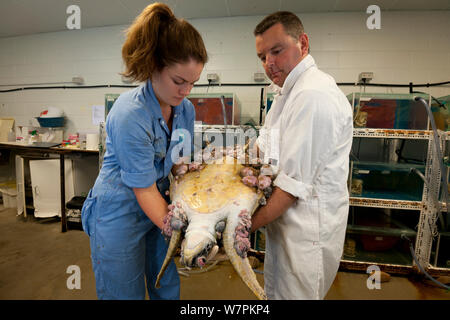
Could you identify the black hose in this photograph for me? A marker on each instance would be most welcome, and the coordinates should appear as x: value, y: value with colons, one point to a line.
x: 420, y: 267
x: 389, y: 85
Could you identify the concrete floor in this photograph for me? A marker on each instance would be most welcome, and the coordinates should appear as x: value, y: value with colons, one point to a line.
x: 35, y: 255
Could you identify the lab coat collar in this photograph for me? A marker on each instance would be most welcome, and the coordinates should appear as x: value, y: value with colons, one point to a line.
x: 295, y: 73
x: 274, y: 88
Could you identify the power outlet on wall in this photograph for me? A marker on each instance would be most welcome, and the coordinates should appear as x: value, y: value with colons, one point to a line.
x: 212, y: 77
x: 259, y: 76
x: 365, y: 77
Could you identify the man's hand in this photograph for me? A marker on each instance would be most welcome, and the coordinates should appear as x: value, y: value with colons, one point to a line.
x: 252, y: 151
x: 276, y: 205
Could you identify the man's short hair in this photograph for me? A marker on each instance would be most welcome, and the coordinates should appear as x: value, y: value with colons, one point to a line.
x: 291, y: 23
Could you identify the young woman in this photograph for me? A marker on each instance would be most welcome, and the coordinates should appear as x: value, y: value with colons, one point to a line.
x: 124, y: 211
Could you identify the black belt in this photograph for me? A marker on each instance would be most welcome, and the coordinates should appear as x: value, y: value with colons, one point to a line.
x: 163, y: 185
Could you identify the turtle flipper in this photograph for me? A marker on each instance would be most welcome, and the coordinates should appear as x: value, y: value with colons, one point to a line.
x: 173, y: 245
x: 241, y: 265
x: 175, y: 223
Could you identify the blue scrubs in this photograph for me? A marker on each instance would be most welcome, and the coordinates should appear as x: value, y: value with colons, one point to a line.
x: 127, y: 249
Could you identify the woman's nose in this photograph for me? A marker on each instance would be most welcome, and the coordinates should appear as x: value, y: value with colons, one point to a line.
x: 186, y: 89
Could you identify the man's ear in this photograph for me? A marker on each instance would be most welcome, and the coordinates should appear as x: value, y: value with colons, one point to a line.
x: 304, y: 42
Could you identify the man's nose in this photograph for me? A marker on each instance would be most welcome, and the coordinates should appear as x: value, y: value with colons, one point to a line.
x: 270, y: 59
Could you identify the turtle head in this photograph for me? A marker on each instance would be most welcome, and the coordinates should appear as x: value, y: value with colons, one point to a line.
x: 197, y: 248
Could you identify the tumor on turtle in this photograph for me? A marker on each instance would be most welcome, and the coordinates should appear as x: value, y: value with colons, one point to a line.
x: 214, y: 201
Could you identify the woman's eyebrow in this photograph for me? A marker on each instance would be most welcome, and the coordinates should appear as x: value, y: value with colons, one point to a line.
x: 181, y: 78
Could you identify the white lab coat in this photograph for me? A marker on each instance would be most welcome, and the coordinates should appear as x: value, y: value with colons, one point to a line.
x: 304, y: 245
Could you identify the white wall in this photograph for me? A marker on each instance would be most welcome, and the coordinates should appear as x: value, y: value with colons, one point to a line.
x: 409, y: 47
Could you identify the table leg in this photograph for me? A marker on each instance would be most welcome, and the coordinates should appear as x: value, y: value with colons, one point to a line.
x: 63, y: 193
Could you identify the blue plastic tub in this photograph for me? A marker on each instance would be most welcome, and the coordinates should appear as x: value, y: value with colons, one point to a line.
x: 51, y: 122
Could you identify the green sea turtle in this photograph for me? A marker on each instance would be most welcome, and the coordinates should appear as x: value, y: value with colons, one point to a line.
x: 212, y: 202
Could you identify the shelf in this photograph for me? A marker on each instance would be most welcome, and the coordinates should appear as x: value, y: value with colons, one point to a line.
x: 391, y: 133
x: 357, y: 132
x: 347, y: 264
x: 387, y: 196
x: 385, y: 203
x: 386, y: 166
x: 388, y: 257
x: 221, y: 127
x: 381, y: 231
x: 387, y: 185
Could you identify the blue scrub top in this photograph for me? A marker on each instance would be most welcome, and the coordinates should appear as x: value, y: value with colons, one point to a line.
x: 139, y: 146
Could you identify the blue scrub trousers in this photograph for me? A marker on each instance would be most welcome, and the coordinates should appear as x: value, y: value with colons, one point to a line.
x: 127, y: 251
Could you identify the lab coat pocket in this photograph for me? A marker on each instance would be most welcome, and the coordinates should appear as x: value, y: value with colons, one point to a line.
x: 308, y: 220
x: 86, y: 213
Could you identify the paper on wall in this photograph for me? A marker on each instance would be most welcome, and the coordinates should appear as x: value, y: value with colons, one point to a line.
x: 98, y: 115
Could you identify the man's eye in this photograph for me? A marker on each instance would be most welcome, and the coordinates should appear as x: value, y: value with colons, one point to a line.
x: 179, y: 83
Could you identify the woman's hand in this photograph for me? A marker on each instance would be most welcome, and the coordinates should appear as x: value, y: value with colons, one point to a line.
x: 181, y: 166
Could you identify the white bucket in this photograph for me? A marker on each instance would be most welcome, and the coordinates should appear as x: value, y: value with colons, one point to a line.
x: 92, y: 141
x: 9, y: 196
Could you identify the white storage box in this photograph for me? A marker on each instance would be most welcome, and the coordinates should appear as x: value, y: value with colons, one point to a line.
x: 9, y: 196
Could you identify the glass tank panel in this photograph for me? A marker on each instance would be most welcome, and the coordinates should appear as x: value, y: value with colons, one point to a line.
x: 387, y: 168
x: 441, y: 112
x: 389, y: 111
x: 440, y: 252
x: 209, y: 109
x: 374, y: 235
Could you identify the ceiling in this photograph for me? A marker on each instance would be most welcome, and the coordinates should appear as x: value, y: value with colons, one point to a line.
x: 21, y: 17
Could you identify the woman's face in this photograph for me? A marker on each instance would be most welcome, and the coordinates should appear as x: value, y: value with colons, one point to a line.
x: 173, y: 83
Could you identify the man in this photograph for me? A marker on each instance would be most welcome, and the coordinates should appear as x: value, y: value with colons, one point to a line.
x: 306, y: 215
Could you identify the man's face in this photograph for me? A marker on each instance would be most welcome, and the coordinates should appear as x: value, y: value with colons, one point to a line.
x: 279, y: 52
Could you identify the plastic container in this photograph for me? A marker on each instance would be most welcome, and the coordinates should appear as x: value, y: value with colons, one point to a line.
x: 9, y: 194
x: 51, y: 112
x: 51, y: 122
x: 11, y: 136
x: 9, y: 201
